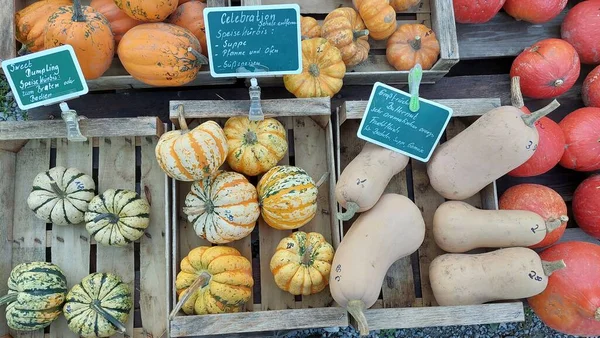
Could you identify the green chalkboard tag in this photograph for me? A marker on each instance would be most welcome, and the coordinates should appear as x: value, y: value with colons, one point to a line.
x: 389, y: 122
x: 253, y: 41
x: 46, y: 77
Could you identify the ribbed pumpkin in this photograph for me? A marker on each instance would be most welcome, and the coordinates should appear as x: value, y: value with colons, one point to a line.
x: 322, y: 70
x: 161, y: 54
x: 88, y: 32
x: 30, y: 23
x: 148, y: 10
x: 98, y: 306
x: 117, y: 217
x: 223, y: 278
x: 191, y: 155
x: 403, y: 5
x: 302, y: 262
x: 120, y: 22
x: 254, y: 146
x: 412, y: 44
x: 309, y: 27
x: 288, y: 197
x: 190, y: 16
x: 222, y: 207
x: 36, y: 293
x: 344, y: 28
x: 378, y: 16
x: 61, y: 195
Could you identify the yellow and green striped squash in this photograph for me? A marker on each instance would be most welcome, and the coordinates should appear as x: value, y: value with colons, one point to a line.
x: 98, y: 306
x: 288, y: 197
x: 36, y: 293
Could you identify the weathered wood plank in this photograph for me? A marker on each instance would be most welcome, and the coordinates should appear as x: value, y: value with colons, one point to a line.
x: 576, y: 234
x: 124, y: 81
x: 336, y: 225
x: 442, y: 22
x: 8, y: 44
x: 8, y: 161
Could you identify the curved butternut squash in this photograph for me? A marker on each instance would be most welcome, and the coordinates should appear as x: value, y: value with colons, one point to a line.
x: 392, y: 229
x: 460, y: 227
x: 365, y: 178
x: 511, y: 273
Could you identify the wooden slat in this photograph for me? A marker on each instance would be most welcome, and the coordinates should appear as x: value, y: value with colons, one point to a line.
x: 110, y: 82
x: 8, y: 44
x: 489, y: 197
x: 337, y: 229
x: 442, y: 22
x: 71, y: 244
x: 576, y: 234
x: 324, y: 7
x: 8, y: 162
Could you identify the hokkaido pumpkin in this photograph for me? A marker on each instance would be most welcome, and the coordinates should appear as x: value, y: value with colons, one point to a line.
x: 30, y: 23
x: 534, y: 11
x: 309, y: 27
x: 378, y: 16
x: 581, y: 28
x: 190, y: 16
x: 148, y: 10
x: 582, y: 135
x: 120, y: 22
x: 586, y: 206
x: 403, y: 5
x: 475, y: 11
x: 412, y: 44
x: 161, y: 54
x: 302, y: 262
x: 590, y: 93
x: 322, y: 70
x: 218, y: 277
x: 344, y: 28
x: 254, y: 146
x: 88, y: 32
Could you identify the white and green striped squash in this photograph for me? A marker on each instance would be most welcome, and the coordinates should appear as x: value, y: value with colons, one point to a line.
x: 36, y: 293
x: 117, y: 217
x: 98, y: 306
x: 61, y: 195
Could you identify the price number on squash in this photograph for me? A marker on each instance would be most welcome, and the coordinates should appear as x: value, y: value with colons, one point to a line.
x: 533, y: 229
x: 338, y: 269
x: 531, y: 146
x: 533, y: 275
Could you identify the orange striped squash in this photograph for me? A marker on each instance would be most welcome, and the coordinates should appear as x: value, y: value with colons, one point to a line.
x: 191, y: 155
x: 288, y: 197
x: 222, y: 207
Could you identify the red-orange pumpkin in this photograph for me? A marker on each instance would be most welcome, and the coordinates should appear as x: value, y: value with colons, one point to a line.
x: 534, y: 11
x: 581, y: 28
x: 30, y: 23
x: 190, y: 15
x: 412, y: 44
x: 591, y: 89
x: 120, y: 22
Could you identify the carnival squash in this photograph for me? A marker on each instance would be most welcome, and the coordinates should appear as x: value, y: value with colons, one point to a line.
x: 190, y: 15
x: 288, y: 197
x: 161, y: 54
x: 411, y: 44
x: 581, y: 28
x: 36, y: 293
x: 378, y: 16
x: 254, y: 146
x: 344, y: 28
x: 98, y: 306
x: 222, y: 207
x: 120, y: 22
x: 302, y: 262
x: 30, y: 23
x: 218, y: 277
x: 403, y: 5
x: 309, y: 27
x: 322, y: 70
x: 117, y: 217
x: 148, y: 10
x: 88, y: 32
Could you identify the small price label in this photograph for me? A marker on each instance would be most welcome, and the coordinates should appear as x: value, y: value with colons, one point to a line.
x: 533, y: 275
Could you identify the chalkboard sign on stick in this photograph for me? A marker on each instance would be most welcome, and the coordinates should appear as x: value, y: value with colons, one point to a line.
x: 252, y: 41
x: 388, y: 122
x: 46, y: 77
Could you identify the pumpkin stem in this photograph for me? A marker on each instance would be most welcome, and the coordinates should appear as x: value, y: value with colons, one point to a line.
x: 78, y: 15
x: 361, y: 33
x: 182, y: 124
x: 555, y: 223
x: 24, y: 50
x: 351, y: 209
x: 532, y: 118
x: 200, y: 59
x: 416, y: 43
x: 597, y: 314
x: 96, y: 306
x: 112, y: 218
x: 516, y: 96
x: 550, y: 267
x: 9, y: 298
x: 306, y: 258
x: 201, y: 282
x: 250, y: 137
x: 356, y: 309
x: 559, y: 82
x: 57, y: 190
x: 313, y: 69
x: 322, y: 180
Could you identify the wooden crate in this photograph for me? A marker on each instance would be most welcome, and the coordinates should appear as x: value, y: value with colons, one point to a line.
x: 119, y: 153
x: 310, y: 147
x: 407, y: 300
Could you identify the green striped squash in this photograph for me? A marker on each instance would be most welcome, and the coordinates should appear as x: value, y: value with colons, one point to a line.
x: 117, y: 217
x: 36, y: 293
x: 61, y: 195
x: 98, y: 306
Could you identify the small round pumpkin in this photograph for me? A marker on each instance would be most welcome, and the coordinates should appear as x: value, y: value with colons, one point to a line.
x: 344, y: 28
x: 224, y: 277
x: 378, y: 16
x: 302, y: 262
x: 30, y: 23
x: 120, y: 22
x: 223, y: 207
x: 403, y: 5
x: 61, y: 195
x: 36, y: 293
x: 412, y: 44
x: 322, y: 70
x: 309, y: 27
x: 117, y: 217
x: 148, y: 10
x: 254, y: 146
x: 190, y: 15
x: 98, y: 306
x: 288, y: 197
x: 590, y: 92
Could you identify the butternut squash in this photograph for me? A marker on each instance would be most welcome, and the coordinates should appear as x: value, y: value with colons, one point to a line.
x: 392, y: 229
x: 460, y: 227
x: 498, y: 142
x: 511, y: 273
x: 365, y: 178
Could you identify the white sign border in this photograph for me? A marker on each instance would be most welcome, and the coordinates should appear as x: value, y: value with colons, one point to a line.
x: 364, y: 118
x: 36, y: 55
x: 208, y: 10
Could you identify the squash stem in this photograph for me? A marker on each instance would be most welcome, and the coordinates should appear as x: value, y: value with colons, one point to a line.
x: 202, y: 281
x: 356, y: 309
x: 200, y: 59
x: 250, y: 137
x: 555, y: 223
x: 306, y: 258
x: 550, y: 267
x: 9, y: 298
x: 57, y: 190
x: 182, y: 124
x: 351, y: 209
x: 416, y: 43
x: 597, y: 316
x: 78, y: 15
x: 313, y: 70
x: 559, y: 82
x: 96, y: 306
x: 360, y: 33
x: 322, y: 180
x: 516, y: 96
x: 532, y: 118
x: 24, y: 50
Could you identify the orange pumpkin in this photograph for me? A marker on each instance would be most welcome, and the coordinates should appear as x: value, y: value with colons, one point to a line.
x: 378, y: 16
x: 412, y: 44
x: 344, y: 28
x: 120, y: 22
x: 88, y: 32
x: 309, y: 27
x: 148, y: 10
x: 190, y: 15
x: 30, y: 23
x: 403, y: 5
x: 161, y: 54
